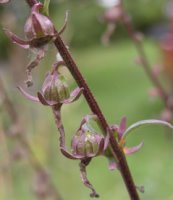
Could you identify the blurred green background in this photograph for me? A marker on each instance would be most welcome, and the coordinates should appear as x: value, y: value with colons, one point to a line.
x: 120, y: 86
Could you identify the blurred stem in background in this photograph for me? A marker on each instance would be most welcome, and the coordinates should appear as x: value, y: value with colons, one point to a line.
x: 6, y: 183
x: 117, y: 13
x: 43, y: 186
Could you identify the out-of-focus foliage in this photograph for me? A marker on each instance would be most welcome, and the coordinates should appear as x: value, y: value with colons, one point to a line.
x: 85, y: 25
x: 145, y: 13
x: 85, y: 21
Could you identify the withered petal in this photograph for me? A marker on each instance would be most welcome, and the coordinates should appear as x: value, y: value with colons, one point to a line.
x: 75, y: 94
x: 134, y: 149
x: 69, y: 155
x: 28, y: 96
x: 44, y: 101
x: 16, y: 40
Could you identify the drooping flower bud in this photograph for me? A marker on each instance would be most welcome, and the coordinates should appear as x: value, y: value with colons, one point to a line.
x: 87, y: 144
x: 38, y: 28
x: 55, y: 88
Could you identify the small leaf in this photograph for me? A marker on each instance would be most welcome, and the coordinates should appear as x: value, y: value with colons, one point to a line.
x: 45, y: 9
x: 146, y: 122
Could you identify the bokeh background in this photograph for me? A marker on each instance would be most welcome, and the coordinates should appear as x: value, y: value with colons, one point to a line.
x: 118, y: 83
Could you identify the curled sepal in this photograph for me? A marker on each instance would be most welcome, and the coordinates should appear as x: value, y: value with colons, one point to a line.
x: 65, y: 23
x: 28, y: 96
x: 75, y: 94
x: 43, y: 101
x: 134, y: 149
x: 84, y: 178
x: 4, y: 1
x: 123, y: 133
x: 69, y: 155
x: 16, y: 40
x: 147, y: 122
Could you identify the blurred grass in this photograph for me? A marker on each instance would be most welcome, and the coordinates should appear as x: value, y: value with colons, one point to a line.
x: 121, y: 88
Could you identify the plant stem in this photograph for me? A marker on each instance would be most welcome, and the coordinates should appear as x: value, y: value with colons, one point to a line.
x: 6, y: 183
x: 116, y: 151
x: 118, y: 154
x: 126, y: 21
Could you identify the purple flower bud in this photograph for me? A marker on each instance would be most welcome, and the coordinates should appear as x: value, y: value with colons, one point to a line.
x: 87, y: 144
x: 38, y: 28
x: 55, y: 88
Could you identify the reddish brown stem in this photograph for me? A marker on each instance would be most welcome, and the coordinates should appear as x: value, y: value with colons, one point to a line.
x: 124, y: 169
x: 116, y: 151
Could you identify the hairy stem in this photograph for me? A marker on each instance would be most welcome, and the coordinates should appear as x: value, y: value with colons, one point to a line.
x: 116, y: 151
x: 124, y: 169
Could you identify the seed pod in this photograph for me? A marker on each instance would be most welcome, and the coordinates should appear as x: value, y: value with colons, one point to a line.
x: 55, y: 88
x: 39, y: 26
x: 87, y: 144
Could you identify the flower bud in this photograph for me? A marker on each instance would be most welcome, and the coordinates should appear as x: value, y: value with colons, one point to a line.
x: 87, y: 144
x: 39, y: 26
x: 55, y: 88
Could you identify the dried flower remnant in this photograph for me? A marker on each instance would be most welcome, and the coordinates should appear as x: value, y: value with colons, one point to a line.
x: 55, y: 91
x: 39, y: 30
x: 86, y: 144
